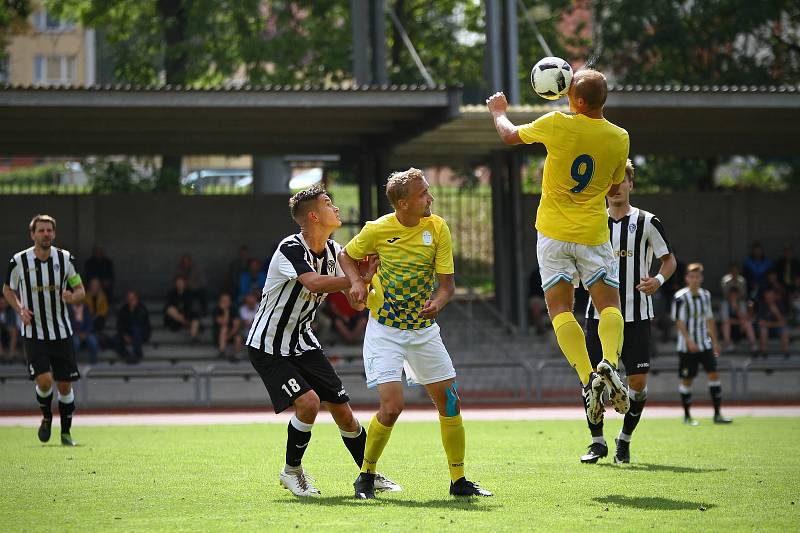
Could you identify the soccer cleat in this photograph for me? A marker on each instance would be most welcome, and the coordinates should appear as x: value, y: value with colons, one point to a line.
x: 623, y: 453
x: 384, y: 484
x: 66, y: 440
x: 593, y: 398
x: 365, y: 486
x: 719, y: 419
x: 298, y: 483
x: 44, y: 429
x: 597, y: 450
x: 462, y: 487
x: 689, y: 421
x: 617, y: 392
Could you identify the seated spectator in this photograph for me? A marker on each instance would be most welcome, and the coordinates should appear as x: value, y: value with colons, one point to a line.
x: 247, y: 312
x: 788, y: 268
x: 536, y: 305
x: 253, y: 279
x: 755, y: 268
x: 794, y: 300
x: 180, y: 310
x: 347, y: 322
x: 195, y: 282
x: 736, y: 320
x: 133, y: 328
x: 83, y: 330
x: 237, y: 267
x: 101, y: 267
x: 97, y: 301
x: 226, y: 327
x: 9, y: 333
x: 734, y: 279
x: 772, y: 322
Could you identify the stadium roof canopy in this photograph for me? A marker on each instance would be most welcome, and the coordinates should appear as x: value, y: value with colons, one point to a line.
x: 666, y: 120
x: 242, y: 120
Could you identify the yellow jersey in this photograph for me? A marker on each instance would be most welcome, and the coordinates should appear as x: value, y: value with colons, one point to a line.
x: 585, y: 156
x: 410, y: 259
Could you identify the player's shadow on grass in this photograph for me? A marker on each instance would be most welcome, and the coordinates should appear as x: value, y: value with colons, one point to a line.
x: 652, y: 502
x: 467, y: 504
x: 675, y: 469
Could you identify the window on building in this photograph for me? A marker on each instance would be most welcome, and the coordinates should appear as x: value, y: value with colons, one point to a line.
x: 54, y: 70
x: 5, y: 75
x: 44, y: 21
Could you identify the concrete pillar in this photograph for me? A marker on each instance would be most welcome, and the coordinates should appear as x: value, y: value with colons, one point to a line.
x: 494, y: 43
x: 380, y: 75
x: 359, y: 20
x: 512, y: 52
x: 270, y: 175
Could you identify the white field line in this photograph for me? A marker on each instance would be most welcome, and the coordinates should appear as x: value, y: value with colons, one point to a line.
x: 412, y: 415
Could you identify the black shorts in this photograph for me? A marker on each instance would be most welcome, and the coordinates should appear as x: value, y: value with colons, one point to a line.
x: 635, y: 346
x: 51, y: 356
x: 689, y: 362
x: 288, y: 378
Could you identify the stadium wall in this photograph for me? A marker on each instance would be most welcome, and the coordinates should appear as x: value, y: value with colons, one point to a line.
x: 713, y: 228
x: 145, y: 234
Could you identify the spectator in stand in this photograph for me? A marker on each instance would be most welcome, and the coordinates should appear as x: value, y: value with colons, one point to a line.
x: 347, y: 322
x: 9, y: 334
x: 734, y: 279
x: 756, y: 267
x: 133, y: 328
x: 180, y: 311
x: 772, y: 322
x: 736, y: 319
x: 83, y: 330
x: 226, y: 327
x: 236, y: 268
x: 97, y: 301
x: 794, y: 300
x: 788, y: 268
x: 247, y: 312
x: 771, y: 281
x: 536, y: 305
x: 101, y: 267
x: 253, y: 279
x: 196, y: 283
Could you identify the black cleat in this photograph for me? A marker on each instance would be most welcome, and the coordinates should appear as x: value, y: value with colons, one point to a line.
x: 719, y: 419
x: 596, y: 451
x: 365, y: 486
x: 66, y: 440
x: 462, y: 487
x: 623, y: 454
x: 44, y: 429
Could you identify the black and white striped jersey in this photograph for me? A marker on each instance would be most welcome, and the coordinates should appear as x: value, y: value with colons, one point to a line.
x: 694, y: 310
x: 282, y: 325
x: 635, y: 238
x: 39, y: 285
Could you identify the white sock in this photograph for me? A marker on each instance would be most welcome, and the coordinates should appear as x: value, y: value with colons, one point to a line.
x: 69, y: 398
x: 352, y: 434
x: 299, y: 425
x: 624, y: 436
x: 292, y: 469
x: 43, y: 394
x: 601, y: 440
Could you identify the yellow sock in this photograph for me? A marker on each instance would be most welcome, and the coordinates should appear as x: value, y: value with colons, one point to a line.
x: 610, y: 330
x: 572, y: 342
x: 377, y: 437
x: 454, y: 444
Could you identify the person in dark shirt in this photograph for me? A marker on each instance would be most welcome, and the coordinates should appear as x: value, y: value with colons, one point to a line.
x: 133, y: 328
x: 772, y: 321
x: 226, y: 325
x: 180, y: 310
x: 83, y: 330
x: 101, y: 267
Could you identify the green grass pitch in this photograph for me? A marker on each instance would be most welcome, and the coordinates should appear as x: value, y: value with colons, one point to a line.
x: 224, y: 478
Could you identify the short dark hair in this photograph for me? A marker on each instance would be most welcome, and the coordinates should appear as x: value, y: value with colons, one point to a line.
x: 41, y: 218
x: 300, y: 202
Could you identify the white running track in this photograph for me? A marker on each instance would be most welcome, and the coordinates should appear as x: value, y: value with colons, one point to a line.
x: 411, y: 415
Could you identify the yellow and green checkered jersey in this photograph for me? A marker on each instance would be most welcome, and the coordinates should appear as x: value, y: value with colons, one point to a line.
x: 410, y: 259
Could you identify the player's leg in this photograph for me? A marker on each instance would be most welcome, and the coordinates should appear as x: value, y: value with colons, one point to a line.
x: 65, y: 371
x: 66, y: 408
x: 44, y: 397
x: 636, y: 358
x: 709, y: 362
x: 687, y: 371
x: 598, y: 448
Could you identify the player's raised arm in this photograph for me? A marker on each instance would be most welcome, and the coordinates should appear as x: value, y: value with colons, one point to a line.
x: 318, y: 283
x: 508, y: 132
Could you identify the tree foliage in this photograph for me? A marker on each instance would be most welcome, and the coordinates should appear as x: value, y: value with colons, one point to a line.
x: 13, y: 15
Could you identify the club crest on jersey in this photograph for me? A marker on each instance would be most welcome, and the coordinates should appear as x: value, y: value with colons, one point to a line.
x: 57, y: 267
x: 632, y: 228
x: 331, y: 265
x: 427, y: 238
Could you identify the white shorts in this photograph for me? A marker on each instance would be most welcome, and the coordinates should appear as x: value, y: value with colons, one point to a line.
x: 420, y: 352
x: 573, y: 263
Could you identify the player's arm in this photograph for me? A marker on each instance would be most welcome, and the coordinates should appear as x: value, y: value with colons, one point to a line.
x: 318, y: 283
x: 11, y: 297
x: 666, y: 270
x: 508, y: 132
x: 442, y: 296
x: 712, y: 332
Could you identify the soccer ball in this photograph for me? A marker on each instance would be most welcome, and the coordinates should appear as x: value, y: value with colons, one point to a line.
x: 551, y: 77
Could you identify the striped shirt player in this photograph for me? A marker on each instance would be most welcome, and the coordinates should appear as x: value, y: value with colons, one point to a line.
x: 697, y: 342
x: 41, y: 282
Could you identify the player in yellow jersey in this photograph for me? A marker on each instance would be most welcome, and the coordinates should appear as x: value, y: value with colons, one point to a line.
x: 415, y: 252
x: 586, y: 157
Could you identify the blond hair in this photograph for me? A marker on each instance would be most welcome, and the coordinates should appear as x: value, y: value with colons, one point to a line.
x: 41, y: 218
x: 398, y: 183
x: 630, y: 172
x: 694, y: 267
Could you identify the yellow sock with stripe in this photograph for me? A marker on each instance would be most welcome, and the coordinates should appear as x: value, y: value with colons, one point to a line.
x: 572, y: 342
x: 377, y: 437
x: 610, y: 330
x: 454, y: 443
